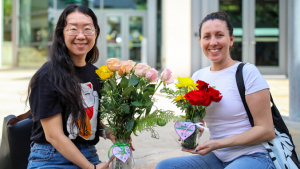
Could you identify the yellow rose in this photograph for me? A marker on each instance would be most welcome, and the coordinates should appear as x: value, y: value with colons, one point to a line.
x: 180, y: 97
x: 186, y: 82
x: 103, y: 72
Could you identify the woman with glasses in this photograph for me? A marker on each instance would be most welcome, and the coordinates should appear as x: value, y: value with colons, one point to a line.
x: 64, y: 98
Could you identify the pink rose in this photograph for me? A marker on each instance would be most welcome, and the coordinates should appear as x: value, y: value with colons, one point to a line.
x: 132, y: 63
x: 126, y: 67
x: 152, y: 75
x: 166, y: 76
x: 113, y: 64
x: 141, y: 69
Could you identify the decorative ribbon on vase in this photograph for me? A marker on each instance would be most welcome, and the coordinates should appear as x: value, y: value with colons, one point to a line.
x: 125, y: 150
x: 199, y: 124
x: 122, y: 146
x: 186, y: 129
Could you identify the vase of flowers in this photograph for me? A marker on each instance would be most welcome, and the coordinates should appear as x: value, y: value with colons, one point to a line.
x: 127, y: 98
x: 191, y: 141
x: 192, y: 98
x: 125, y: 160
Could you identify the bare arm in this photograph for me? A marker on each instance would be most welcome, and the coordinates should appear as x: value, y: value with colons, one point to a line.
x: 53, y: 128
x: 263, y: 130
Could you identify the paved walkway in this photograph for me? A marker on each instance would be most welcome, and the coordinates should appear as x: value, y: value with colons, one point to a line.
x: 149, y: 151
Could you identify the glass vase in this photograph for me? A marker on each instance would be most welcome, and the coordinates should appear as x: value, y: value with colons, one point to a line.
x: 118, y: 164
x: 192, y: 141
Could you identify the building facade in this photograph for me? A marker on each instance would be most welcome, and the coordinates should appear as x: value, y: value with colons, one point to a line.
x: 163, y: 33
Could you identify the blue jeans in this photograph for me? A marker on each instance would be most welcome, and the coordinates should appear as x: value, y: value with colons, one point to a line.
x: 211, y: 161
x: 46, y: 156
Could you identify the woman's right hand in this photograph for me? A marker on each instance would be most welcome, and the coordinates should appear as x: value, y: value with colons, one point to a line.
x: 201, y: 130
x: 105, y: 165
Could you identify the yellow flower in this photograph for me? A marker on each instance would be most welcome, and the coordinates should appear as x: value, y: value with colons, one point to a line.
x: 104, y: 73
x: 180, y: 97
x: 186, y: 82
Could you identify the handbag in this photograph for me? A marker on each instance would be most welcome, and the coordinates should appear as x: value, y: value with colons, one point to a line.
x: 281, y: 148
x: 15, y: 144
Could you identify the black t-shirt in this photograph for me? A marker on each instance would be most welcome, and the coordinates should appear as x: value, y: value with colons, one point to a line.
x: 46, y: 102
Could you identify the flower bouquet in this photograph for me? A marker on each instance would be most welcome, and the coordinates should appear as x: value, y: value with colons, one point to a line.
x: 192, y: 98
x: 127, y: 99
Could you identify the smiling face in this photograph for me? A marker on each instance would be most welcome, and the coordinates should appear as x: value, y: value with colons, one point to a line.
x: 79, y: 45
x: 215, y: 40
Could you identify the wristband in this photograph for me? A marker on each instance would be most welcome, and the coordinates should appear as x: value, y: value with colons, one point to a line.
x: 103, y: 134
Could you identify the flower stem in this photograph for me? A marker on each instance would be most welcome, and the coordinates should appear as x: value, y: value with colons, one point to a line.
x: 156, y: 89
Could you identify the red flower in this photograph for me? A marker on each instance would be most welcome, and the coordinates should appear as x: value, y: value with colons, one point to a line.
x: 199, y: 97
x: 202, y: 85
x: 215, y: 94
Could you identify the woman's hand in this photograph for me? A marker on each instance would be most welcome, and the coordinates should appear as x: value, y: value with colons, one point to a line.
x: 130, y: 142
x: 105, y: 165
x: 204, y: 148
x: 110, y: 135
x: 201, y: 130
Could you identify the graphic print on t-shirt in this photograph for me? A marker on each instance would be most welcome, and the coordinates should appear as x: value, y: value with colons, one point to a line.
x: 90, y: 104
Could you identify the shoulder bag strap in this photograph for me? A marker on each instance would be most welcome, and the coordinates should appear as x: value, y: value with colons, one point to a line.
x: 241, y: 86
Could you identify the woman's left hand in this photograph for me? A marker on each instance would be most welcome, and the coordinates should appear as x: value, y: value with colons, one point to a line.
x: 112, y: 137
x: 130, y: 142
x: 204, y: 148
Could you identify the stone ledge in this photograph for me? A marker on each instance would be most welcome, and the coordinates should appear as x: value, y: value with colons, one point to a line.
x: 145, y: 166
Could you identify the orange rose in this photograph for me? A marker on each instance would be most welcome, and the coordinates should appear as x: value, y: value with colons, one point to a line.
x: 126, y: 67
x: 113, y: 64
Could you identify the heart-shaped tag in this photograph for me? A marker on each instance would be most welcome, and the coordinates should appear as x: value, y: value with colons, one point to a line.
x: 121, y: 154
x: 182, y: 129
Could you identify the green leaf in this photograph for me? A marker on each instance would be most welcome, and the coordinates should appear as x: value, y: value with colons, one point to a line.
x: 129, y: 125
x: 113, y: 84
x: 125, y: 108
x: 137, y: 104
x: 141, y: 83
x: 146, y: 95
x: 135, y: 128
x: 106, y: 106
x: 149, y: 103
x: 150, y: 88
x: 161, y: 122
x: 107, y: 87
x: 151, y: 85
x: 134, y: 95
x: 133, y: 81
x: 196, y: 119
x: 140, y: 96
x: 124, y: 82
x: 127, y: 91
x: 102, y: 92
x: 139, y: 111
x: 148, y: 109
x: 202, y: 115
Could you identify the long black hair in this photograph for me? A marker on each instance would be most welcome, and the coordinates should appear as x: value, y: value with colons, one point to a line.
x: 62, y: 69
